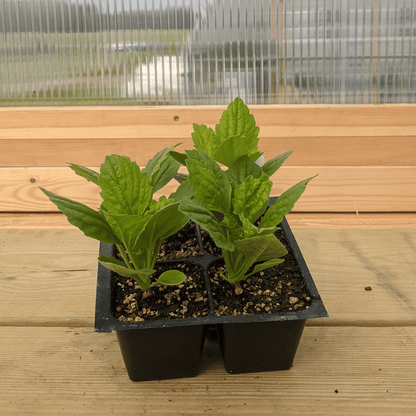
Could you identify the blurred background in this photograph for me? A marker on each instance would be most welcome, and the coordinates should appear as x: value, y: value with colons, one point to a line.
x: 190, y: 52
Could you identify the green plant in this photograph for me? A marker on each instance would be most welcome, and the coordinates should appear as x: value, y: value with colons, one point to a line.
x: 228, y: 203
x: 129, y: 217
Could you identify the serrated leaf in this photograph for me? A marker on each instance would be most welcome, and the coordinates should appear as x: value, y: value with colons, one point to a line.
x: 236, y: 120
x: 272, y: 165
x: 241, y: 169
x: 251, y: 197
x: 170, y: 278
x: 208, y: 221
x: 283, y: 204
x: 88, y: 174
x: 204, y: 139
x: 184, y: 190
x: 90, y: 222
x: 161, y: 168
x: 158, y: 205
x: 212, y: 188
x: 233, y: 148
x: 125, y: 189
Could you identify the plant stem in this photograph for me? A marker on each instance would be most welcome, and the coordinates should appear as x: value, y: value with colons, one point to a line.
x: 123, y: 254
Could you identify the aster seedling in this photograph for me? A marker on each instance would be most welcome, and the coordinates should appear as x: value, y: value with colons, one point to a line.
x: 129, y: 217
x: 231, y: 203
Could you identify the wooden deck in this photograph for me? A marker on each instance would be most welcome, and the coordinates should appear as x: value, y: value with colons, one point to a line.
x: 356, y: 227
x: 360, y: 361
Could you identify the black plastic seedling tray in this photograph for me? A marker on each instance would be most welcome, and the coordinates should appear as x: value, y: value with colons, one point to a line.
x: 172, y: 348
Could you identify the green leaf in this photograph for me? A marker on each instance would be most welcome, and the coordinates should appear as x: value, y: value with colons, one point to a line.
x: 283, y: 204
x: 236, y: 120
x: 233, y: 148
x: 275, y: 249
x: 90, y: 222
x: 170, y: 278
x: 88, y: 174
x: 179, y: 157
x: 212, y: 188
x: 125, y: 189
x: 234, y: 230
x: 184, y: 190
x: 158, y: 205
x: 161, y: 168
x: 263, y: 266
x: 251, y: 197
x: 250, y: 251
x: 260, y: 248
x: 181, y: 177
x: 142, y: 276
x: 204, y: 139
x: 241, y: 169
x: 208, y: 221
x: 162, y: 224
x: 272, y: 165
x: 249, y: 229
x: 129, y: 229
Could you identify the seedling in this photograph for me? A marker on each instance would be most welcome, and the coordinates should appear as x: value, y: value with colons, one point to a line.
x: 129, y: 217
x: 228, y: 203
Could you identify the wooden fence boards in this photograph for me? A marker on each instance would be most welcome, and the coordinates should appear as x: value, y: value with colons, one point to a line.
x: 336, y: 189
x: 308, y: 151
x: 365, y: 155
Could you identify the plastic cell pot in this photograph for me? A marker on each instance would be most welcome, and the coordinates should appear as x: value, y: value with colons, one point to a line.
x: 152, y: 350
x: 268, y: 342
x: 172, y: 348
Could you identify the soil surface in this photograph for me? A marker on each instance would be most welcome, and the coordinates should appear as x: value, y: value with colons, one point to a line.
x: 187, y: 300
x: 181, y: 245
x: 278, y: 289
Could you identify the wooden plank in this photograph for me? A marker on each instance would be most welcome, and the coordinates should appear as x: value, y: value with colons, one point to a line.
x: 379, y: 221
x: 336, y: 189
x: 319, y: 134
x: 346, y: 262
x: 387, y: 221
x: 346, y: 116
x: 343, y: 371
x: 308, y: 151
x: 177, y: 131
x: 48, y: 277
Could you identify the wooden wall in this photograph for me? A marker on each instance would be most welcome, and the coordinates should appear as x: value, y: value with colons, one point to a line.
x: 365, y: 155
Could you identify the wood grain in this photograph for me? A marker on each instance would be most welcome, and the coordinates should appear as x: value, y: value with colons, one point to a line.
x: 336, y: 189
x: 319, y: 135
x: 335, y: 150
x: 344, y: 371
x: 315, y: 115
x: 389, y: 221
x: 47, y: 277
x: 53, y: 274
